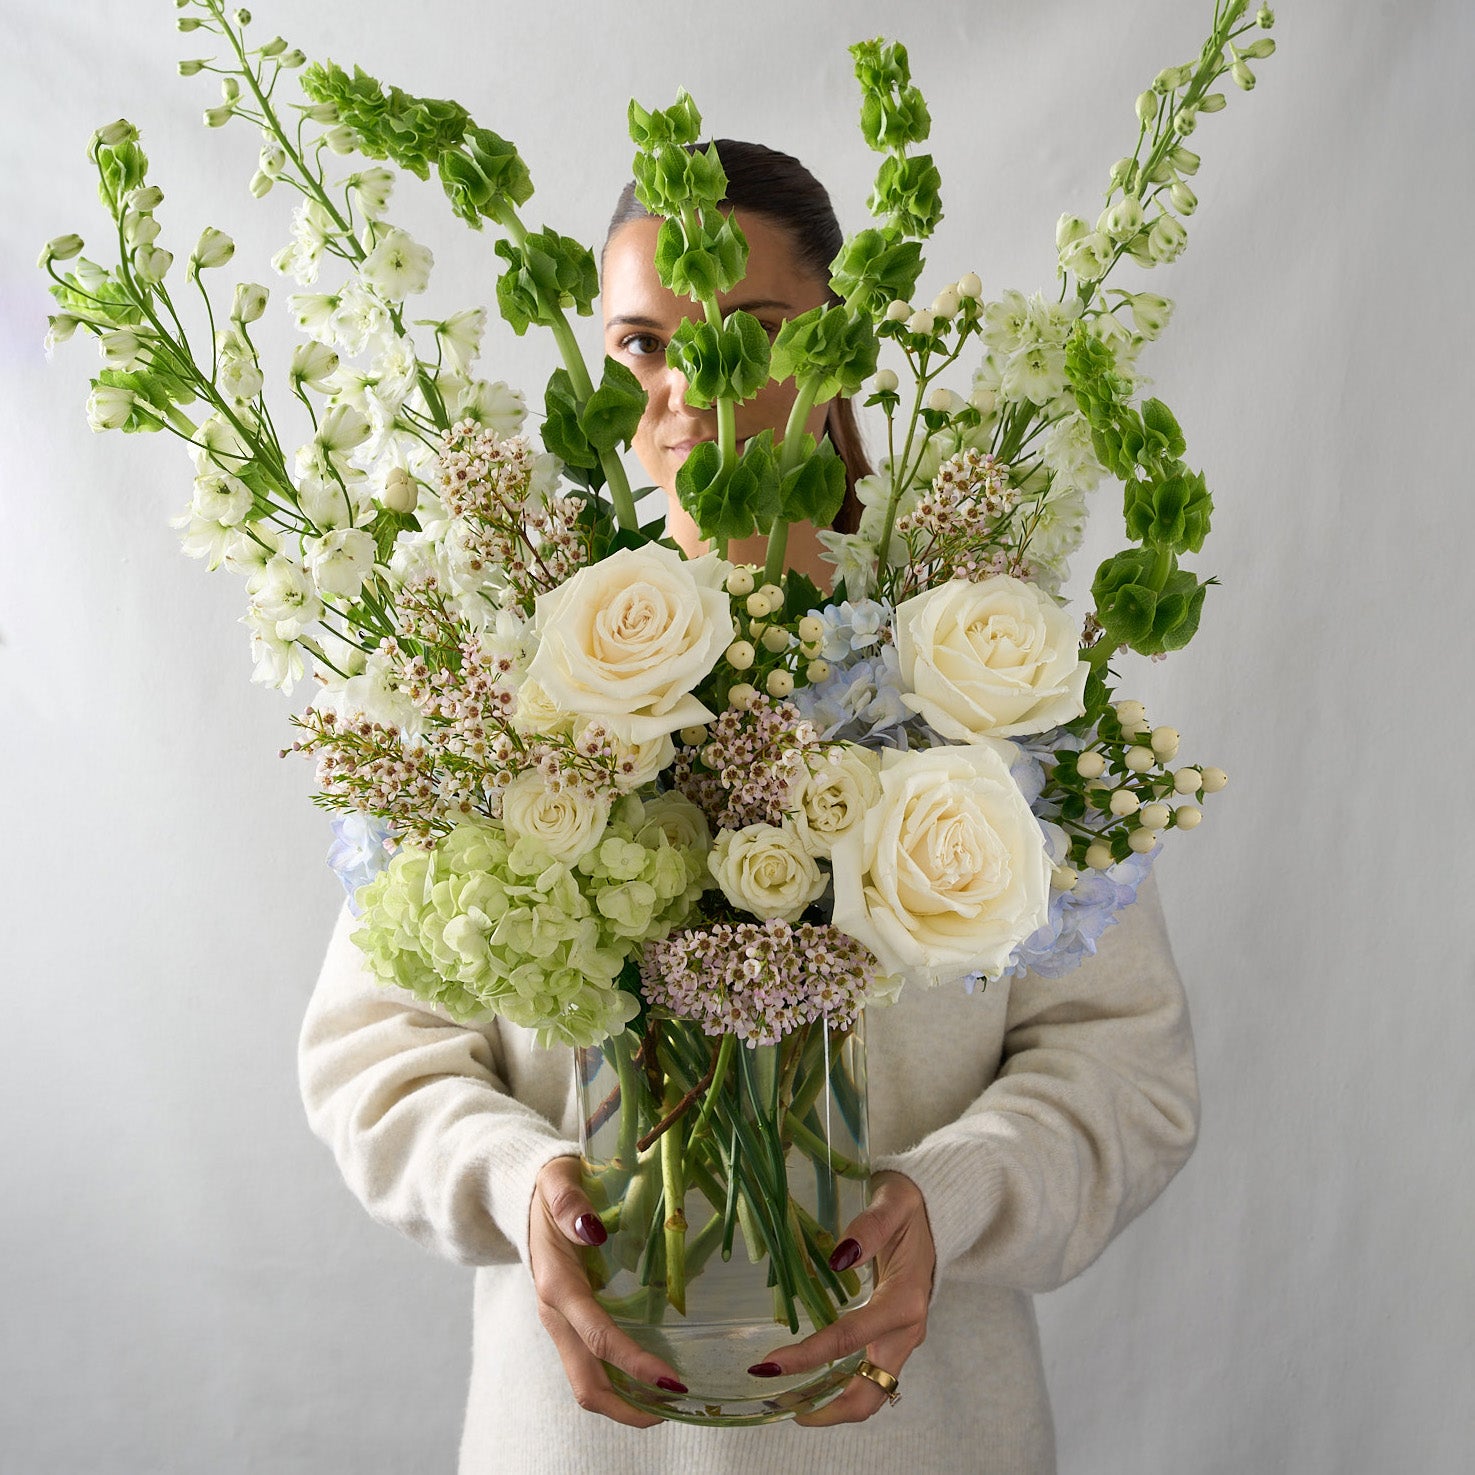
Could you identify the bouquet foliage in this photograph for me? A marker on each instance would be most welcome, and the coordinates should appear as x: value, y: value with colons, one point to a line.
x: 613, y: 793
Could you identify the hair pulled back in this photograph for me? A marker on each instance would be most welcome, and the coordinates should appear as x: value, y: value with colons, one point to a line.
x: 763, y: 181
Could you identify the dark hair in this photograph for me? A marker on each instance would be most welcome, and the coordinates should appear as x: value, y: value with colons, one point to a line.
x: 762, y: 181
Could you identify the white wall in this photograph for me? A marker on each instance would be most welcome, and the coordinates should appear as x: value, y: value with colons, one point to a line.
x: 187, y: 1286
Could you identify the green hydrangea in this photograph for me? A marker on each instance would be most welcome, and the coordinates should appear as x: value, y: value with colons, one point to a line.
x: 481, y: 925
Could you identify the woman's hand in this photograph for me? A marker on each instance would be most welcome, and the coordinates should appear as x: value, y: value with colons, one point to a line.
x: 560, y: 1220
x: 893, y: 1323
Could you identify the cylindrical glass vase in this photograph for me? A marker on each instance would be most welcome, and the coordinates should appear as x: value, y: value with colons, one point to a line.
x: 725, y: 1174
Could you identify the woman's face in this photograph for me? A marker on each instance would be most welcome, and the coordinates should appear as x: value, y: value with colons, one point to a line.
x: 640, y: 315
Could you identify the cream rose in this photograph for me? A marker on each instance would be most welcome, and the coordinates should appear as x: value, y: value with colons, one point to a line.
x: 766, y: 870
x: 997, y: 658
x: 948, y: 873
x: 626, y: 639
x: 567, y: 824
x: 834, y: 795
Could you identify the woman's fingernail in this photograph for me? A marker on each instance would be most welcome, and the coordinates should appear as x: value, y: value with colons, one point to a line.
x: 671, y: 1385
x: 765, y: 1370
x: 589, y: 1229
x: 847, y: 1252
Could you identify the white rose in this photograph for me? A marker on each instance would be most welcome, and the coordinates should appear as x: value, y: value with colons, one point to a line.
x: 832, y: 797
x: 992, y: 659
x: 948, y: 874
x: 568, y: 824
x: 536, y: 715
x: 766, y: 870
x: 627, y: 639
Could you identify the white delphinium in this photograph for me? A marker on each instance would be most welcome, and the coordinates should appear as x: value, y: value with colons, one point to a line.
x: 405, y: 463
x: 283, y: 592
x: 375, y: 693
x: 341, y: 661
x: 460, y: 337
x: 372, y: 187
x: 109, y: 406
x: 278, y: 657
x: 1035, y: 372
x: 1067, y: 452
x: 313, y: 314
x: 358, y: 317
x: 253, y: 545
x: 327, y: 500
x: 339, y: 561
x: 1058, y: 532
x: 854, y: 559
x: 398, y: 266
x: 1005, y: 322
x: 490, y: 403
x: 237, y: 375
x: 300, y: 258
x: 221, y: 497
x: 312, y: 366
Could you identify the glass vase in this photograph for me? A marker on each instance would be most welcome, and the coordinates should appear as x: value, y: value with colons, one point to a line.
x: 725, y: 1174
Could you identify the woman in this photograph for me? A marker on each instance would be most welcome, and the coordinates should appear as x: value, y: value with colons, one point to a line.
x: 1016, y: 1131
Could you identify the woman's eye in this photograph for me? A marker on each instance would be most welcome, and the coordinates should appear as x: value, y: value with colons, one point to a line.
x: 641, y: 345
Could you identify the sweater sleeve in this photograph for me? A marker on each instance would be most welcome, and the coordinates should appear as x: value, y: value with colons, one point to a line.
x: 1093, y: 1110
x: 418, y: 1114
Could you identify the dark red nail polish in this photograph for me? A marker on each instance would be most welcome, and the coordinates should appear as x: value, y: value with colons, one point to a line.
x: 592, y: 1232
x: 847, y: 1252
x: 765, y: 1370
x: 671, y: 1385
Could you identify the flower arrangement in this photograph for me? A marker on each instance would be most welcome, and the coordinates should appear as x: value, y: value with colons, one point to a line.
x: 635, y: 801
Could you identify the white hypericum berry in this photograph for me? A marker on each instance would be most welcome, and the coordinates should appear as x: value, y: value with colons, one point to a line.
x: 1186, y: 816
x: 969, y: 285
x: 740, y: 582
x: 757, y: 604
x: 945, y: 304
x: 898, y: 311
x: 1124, y: 802
x: 1139, y: 759
x: 1187, y: 781
x: 740, y: 655
x: 1142, y: 840
x: 818, y: 671
x: 1154, y: 816
x: 691, y: 736
x: 1165, y: 741
x: 1064, y: 878
x: 1130, y: 714
x: 1091, y: 764
x: 775, y: 639
x: 780, y: 683
x: 1214, y: 780
x: 811, y: 628
x: 922, y: 322
x: 773, y: 594
x: 1098, y: 856
x: 886, y: 381
x: 741, y: 696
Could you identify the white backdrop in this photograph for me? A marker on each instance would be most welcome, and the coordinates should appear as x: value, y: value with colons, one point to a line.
x: 186, y: 1284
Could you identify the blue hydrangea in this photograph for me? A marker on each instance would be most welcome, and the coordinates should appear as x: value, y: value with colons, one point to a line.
x: 859, y: 702
x: 852, y: 629
x: 358, y: 852
x: 1079, y: 917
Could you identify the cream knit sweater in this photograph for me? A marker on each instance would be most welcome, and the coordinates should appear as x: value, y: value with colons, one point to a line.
x: 1038, y: 1118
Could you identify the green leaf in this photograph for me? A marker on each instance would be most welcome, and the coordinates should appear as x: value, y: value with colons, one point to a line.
x: 1173, y: 513
x: 734, y: 503
x: 614, y: 409
x: 907, y: 195
x: 876, y: 267
x: 836, y: 344
x: 486, y: 177
x: 801, y: 594
x: 545, y: 275
x: 563, y: 433
x: 813, y: 491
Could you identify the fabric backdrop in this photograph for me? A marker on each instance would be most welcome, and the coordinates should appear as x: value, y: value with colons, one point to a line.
x: 186, y: 1284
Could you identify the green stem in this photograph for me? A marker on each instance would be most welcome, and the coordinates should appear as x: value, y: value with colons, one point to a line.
x: 778, y: 537
x: 820, y: 1150
x: 673, y: 1186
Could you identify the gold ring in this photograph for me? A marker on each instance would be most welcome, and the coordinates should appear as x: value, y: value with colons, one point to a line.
x: 888, y: 1384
